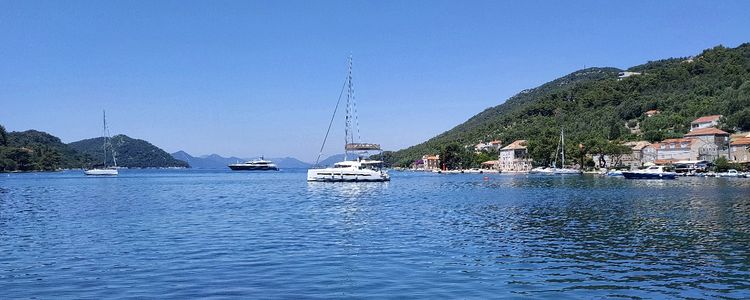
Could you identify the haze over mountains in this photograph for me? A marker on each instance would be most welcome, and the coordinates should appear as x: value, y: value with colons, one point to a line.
x: 215, y: 161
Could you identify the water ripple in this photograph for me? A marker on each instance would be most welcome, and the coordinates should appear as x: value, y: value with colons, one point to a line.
x: 179, y: 234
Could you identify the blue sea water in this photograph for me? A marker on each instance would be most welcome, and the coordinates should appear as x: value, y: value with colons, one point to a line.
x: 217, y: 234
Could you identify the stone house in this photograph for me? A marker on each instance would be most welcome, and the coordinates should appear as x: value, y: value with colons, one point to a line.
x: 515, y: 157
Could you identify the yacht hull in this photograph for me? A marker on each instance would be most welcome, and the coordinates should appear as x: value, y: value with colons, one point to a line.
x: 253, y: 168
x: 101, y: 172
x: 637, y: 175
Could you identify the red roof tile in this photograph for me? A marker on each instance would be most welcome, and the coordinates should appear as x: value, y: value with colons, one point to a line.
x: 706, y: 131
x: 741, y: 141
x: 706, y: 119
x: 519, y: 144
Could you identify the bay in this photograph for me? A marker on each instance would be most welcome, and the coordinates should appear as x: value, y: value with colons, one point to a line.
x: 219, y: 234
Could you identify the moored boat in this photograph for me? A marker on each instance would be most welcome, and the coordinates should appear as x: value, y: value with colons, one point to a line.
x: 359, y: 169
x: 652, y: 172
x: 255, y: 165
x: 103, y: 169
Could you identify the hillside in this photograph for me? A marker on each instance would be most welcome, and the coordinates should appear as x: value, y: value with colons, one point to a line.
x: 131, y: 153
x: 594, y: 105
x: 33, y: 150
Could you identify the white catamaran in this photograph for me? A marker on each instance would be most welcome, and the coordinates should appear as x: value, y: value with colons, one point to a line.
x: 104, y: 170
x: 359, y: 168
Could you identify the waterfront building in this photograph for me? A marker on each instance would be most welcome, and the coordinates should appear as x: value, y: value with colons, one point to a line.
x: 710, y: 143
x: 705, y: 122
x: 740, y: 150
x: 515, y: 157
x: 431, y: 162
x: 491, y: 165
x: 699, y: 144
x: 642, y: 153
x: 672, y: 150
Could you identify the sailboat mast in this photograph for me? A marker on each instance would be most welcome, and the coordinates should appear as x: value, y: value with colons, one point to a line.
x: 104, y: 135
x: 562, y: 141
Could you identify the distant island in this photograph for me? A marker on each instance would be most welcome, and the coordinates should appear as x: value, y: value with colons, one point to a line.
x: 131, y: 153
x: 33, y: 150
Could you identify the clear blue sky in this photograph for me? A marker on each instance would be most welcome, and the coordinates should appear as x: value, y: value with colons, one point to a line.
x: 248, y: 78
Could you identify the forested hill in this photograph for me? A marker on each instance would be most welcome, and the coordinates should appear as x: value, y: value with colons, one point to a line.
x: 594, y: 104
x: 36, y: 150
x: 131, y: 153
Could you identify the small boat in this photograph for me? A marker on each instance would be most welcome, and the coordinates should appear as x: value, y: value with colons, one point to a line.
x: 567, y: 171
x: 542, y: 170
x: 255, y: 165
x: 615, y: 173
x: 360, y: 169
x: 730, y: 173
x: 652, y: 172
x: 104, y: 170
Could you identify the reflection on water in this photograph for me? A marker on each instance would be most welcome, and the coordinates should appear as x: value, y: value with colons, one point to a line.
x: 184, y: 234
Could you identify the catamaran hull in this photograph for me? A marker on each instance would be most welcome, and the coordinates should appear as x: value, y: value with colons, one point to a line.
x: 636, y: 175
x: 101, y: 172
x: 253, y: 168
x: 327, y: 176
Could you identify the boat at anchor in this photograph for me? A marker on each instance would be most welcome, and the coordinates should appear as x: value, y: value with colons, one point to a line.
x: 103, y: 169
x: 359, y: 168
x: 652, y: 172
x: 255, y: 165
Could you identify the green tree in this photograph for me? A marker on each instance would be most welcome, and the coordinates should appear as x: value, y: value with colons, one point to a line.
x: 454, y: 156
x: 721, y: 164
x: 3, y: 136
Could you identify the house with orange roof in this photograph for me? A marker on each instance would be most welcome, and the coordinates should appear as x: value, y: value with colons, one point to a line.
x: 705, y: 122
x: 488, y: 146
x: 710, y: 136
x: 739, y: 150
x: 672, y: 150
x: 699, y: 144
x: 515, y: 157
x: 651, y: 113
x: 642, y: 153
x: 431, y: 162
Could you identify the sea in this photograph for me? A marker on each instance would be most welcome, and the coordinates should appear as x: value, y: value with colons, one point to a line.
x: 182, y: 234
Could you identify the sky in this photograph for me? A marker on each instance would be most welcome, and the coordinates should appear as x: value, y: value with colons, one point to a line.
x: 250, y: 78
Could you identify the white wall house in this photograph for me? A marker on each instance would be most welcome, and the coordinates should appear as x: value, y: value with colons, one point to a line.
x: 515, y: 157
x: 705, y: 122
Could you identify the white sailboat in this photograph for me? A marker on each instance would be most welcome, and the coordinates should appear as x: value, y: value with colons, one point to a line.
x: 104, y: 170
x: 359, y: 168
x: 563, y: 170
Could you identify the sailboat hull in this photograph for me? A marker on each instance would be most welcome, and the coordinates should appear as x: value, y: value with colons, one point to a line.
x: 101, y: 172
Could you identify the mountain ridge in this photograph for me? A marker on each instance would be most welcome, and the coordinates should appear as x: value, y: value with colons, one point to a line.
x: 216, y: 161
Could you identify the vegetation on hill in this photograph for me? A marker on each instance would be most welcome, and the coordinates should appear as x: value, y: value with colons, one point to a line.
x: 598, y: 110
x: 131, y: 153
x: 33, y: 150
